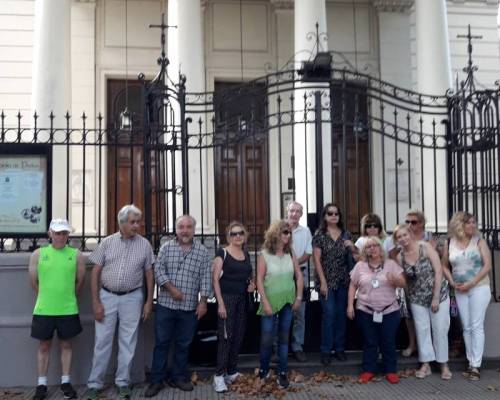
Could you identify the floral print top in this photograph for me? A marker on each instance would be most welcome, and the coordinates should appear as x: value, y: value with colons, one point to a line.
x: 333, y: 259
x: 420, y: 280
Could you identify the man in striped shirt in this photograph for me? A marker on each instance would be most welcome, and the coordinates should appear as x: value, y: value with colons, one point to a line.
x: 183, y: 274
x: 121, y: 261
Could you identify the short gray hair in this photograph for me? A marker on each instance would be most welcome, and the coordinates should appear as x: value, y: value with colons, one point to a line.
x: 125, y: 211
x: 290, y: 204
x: 185, y: 216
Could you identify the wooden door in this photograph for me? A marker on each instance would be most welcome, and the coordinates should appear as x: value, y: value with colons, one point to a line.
x: 350, y: 153
x: 241, y: 169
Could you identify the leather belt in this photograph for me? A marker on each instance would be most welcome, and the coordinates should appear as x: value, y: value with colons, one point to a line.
x: 120, y: 293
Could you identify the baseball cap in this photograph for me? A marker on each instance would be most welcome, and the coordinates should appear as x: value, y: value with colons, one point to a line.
x: 60, y: 225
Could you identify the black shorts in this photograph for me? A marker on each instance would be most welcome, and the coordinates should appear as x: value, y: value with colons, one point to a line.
x: 67, y: 326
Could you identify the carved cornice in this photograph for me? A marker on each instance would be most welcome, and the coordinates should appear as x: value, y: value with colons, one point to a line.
x: 282, y: 4
x: 393, y: 5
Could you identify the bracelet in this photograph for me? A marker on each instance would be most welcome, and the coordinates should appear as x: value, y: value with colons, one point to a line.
x: 298, y: 298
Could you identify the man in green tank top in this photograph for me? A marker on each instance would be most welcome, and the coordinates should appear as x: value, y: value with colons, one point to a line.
x: 56, y: 274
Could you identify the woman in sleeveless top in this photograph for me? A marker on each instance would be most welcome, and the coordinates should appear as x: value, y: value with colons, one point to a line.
x: 279, y: 296
x: 232, y: 279
x: 331, y: 244
x: 429, y: 301
x: 469, y: 257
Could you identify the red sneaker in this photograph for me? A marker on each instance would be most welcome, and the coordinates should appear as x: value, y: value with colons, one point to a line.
x: 366, y: 377
x: 392, y: 378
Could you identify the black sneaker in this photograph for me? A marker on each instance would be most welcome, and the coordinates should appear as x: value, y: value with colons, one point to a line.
x: 40, y: 392
x: 300, y: 356
x: 68, y: 391
x: 264, y: 374
x: 282, y: 380
x: 153, y: 389
x: 184, y: 385
x: 326, y: 358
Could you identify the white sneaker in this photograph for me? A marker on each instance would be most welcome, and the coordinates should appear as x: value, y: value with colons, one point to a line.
x: 219, y: 384
x: 229, y: 379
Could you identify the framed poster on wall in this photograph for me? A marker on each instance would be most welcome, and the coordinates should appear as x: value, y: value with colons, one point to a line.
x: 25, y: 189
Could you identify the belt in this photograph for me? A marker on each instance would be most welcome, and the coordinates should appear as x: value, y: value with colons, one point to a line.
x: 120, y: 293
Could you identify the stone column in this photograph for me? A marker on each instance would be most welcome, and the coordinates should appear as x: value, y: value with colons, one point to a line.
x: 186, y: 54
x: 52, y: 61
x: 308, y: 13
x: 433, y: 47
x: 51, y: 86
x: 433, y: 78
x: 185, y: 43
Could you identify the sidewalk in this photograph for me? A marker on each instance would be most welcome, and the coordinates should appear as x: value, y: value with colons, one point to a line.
x: 345, y: 388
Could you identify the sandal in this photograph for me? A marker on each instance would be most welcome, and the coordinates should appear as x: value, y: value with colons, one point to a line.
x: 446, y: 374
x: 423, y: 372
x: 474, y: 375
x: 467, y: 372
x: 408, y: 352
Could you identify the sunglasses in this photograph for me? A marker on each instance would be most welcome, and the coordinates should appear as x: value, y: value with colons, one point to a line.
x: 330, y: 213
x: 371, y: 226
x: 412, y: 222
x: 237, y: 233
x: 286, y: 232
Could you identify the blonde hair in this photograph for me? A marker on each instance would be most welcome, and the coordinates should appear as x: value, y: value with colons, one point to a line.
x: 232, y: 225
x: 399, y: 228
x: 456, y: 224
x: 378, y: 242
x: 272, y: 236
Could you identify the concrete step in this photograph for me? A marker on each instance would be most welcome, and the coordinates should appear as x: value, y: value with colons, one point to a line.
x: 249, y: 362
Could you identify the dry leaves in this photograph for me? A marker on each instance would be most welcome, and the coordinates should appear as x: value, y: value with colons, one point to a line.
x: 11, y: 394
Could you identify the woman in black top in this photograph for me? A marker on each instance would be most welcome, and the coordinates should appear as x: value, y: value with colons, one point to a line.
x: 232, y: 279
x: 331, y: 244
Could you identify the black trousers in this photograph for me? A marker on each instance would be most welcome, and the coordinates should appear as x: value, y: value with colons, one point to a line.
x: 230, y: 333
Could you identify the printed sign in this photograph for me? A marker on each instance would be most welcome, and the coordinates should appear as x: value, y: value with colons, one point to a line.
x: 23, y: 193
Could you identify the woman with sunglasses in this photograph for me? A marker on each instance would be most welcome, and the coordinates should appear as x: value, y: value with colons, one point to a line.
x: 470, y: 260
x: 375, y: 279
x: 429, y: 301
x: 371, y: 225
x: 331, y: 244
x: 415, y: 221
x: 231, y: 278
x: 279, y: 294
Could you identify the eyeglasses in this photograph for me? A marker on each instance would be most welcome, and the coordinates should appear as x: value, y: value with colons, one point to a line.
x: 286, y: 232
x: 237, y: 233
x: 372, y: 226
x: 330, y: 213
x: 412, y: 221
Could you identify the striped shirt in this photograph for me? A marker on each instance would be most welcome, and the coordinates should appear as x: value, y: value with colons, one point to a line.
x: 190, y: 272
x: 123, y: 261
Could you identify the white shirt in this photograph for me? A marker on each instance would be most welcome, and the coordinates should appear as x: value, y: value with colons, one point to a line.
x: 301, y: 241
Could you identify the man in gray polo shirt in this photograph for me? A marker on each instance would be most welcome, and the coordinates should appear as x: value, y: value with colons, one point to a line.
x: 302, y: 247
x: 121, y: 261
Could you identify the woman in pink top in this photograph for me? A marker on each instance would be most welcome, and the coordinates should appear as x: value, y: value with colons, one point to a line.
x: 373, y: 281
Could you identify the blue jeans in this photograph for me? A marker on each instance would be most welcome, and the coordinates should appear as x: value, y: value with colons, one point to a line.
x: 379, y: 335
x: 334, y: 320
x: 172, y: 326
x: 284, y: 319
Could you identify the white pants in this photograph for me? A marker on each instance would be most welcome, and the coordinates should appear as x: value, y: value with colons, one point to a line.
x: 472, y: 309
x: 432, y: 331
x: 126, y: 310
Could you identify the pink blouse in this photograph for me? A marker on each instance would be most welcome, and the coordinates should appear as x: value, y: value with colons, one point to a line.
x: 370, y: 298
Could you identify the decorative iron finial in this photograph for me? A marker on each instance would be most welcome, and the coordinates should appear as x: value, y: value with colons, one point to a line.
x: 470, y: 68
x: 163, y: 61
x: 317, y: 36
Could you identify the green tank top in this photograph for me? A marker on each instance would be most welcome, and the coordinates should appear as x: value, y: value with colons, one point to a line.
x: 278, y: 282
x: 56, y: 282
